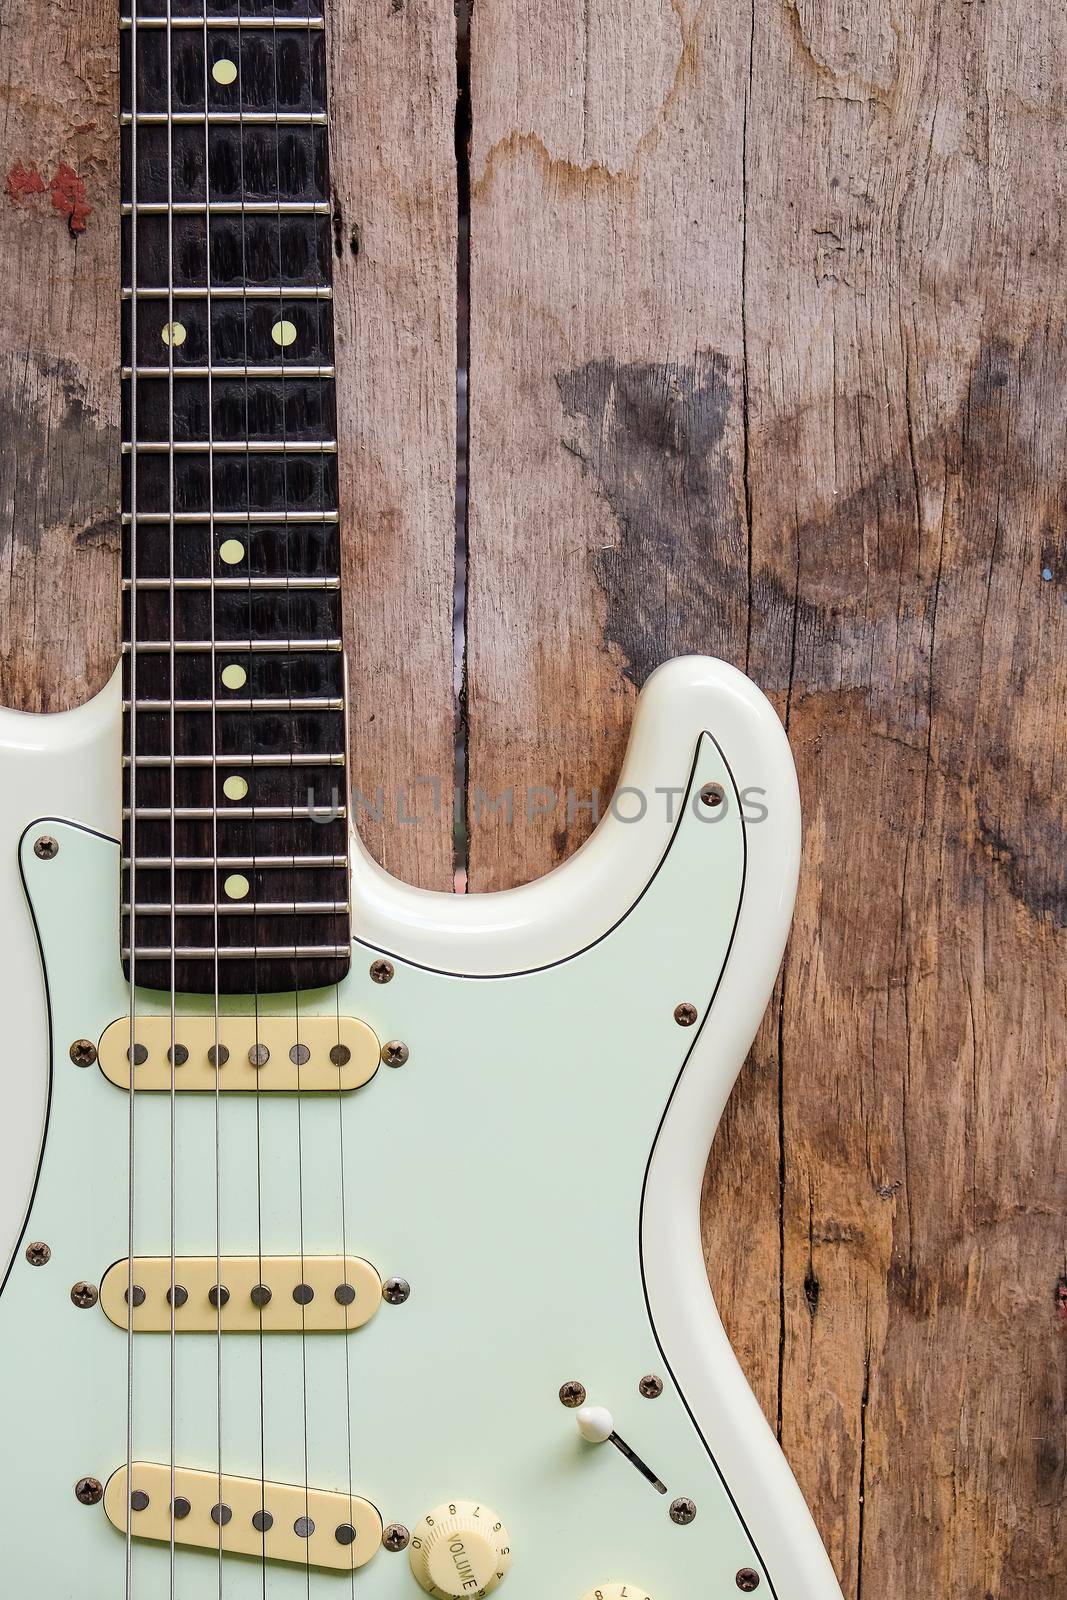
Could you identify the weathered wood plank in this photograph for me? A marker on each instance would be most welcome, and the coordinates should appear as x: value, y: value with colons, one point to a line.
x: 872, y: 287
x: 906, y: 316
x: 604, y: 448
x: 393, y: 90
x: 59, y: 437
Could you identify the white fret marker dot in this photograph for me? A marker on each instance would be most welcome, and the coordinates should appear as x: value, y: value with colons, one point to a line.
x: 235, y: 788
x: 231, y: 551
x: 173, y: 333
x: 284, y: 333
x: 224, y: 71
x: 236, y: 886
x: 234, y: 677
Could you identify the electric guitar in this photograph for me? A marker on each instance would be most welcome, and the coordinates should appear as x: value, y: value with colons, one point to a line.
x: 350, y: 1231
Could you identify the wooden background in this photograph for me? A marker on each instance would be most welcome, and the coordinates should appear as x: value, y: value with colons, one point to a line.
x: 767, y: 359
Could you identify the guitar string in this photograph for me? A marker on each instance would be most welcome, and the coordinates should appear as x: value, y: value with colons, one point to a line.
x: 239, y: 42
x: 131, y: 830
x: 214, y: 767
x: 344, y: 1259
x: 296, y: 1052
x: 326, y: 317
x: 171, y: 674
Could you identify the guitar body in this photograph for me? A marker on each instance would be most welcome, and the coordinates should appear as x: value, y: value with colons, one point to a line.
x: 532, y: 1170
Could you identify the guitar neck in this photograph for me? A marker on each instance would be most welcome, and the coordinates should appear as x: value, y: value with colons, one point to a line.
x: 235, y: 836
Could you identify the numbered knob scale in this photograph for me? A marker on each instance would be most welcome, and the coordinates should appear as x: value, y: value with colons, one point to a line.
x: 460, y: 1549
x: 617, y: 1591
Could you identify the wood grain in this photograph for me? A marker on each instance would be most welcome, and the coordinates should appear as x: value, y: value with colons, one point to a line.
x: 59, y: 434
x: 768, y: 337
x: 393, y: 91
x: 393, y: 80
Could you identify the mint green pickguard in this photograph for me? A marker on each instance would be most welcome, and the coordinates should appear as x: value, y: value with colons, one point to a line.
x: 500, y: 1171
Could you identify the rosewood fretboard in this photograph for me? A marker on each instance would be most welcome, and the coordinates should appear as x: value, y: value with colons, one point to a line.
x: 234, y: 738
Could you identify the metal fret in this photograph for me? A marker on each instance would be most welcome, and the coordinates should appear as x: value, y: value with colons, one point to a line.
x: 292, y: 952
x: 266, y: 863
x: 229, y: 813
x: 231, y: 372
x: 285, y: 119
x: 230, y: 647
x: 263, y: 447
x: 314, y: 291
x: 269, y: 23
x: 247, y: 908
x: 310, y: 703
x: 156, y: 584
x: 305, y: 758
x: 231, y: 208
x: 211, y: 517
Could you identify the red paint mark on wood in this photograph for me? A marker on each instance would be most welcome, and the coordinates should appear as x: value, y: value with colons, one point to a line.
x: 22, y: 181
x: 85, y: 127
x: 68, y: 196
x: 1061, y: 1303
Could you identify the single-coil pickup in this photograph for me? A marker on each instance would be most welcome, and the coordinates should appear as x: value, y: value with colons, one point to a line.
x: 242, y: 1294
x: 243, y: 1055
x: 243, y: 1516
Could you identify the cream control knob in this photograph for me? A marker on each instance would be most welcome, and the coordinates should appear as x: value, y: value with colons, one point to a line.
x: 460, y: 1549
x: 617, y: 1591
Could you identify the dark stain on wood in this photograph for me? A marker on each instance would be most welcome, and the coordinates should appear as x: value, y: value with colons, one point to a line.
x: 56, y: 461
x: 651, y: 438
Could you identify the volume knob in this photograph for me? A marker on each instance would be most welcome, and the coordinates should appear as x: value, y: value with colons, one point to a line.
x: 460, y: 1549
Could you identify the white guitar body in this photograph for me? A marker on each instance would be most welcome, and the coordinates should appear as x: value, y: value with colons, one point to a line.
x: 533, y: 1171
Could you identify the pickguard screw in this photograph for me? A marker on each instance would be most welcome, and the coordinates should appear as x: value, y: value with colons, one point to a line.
x: 38, y: 1253
x: 381, y: 971
x: 395, y: 1291
x: 396, y: 1537
x: 85, y: 1295
x: 46, y: 848
x: 573, y: 1394
x: 712, y: 794
x: 83, y: 1052
x: 683, y: 1511
x: 651, y: 1386
x: 89, y: 1491
x: 685, y: 1014
x: 747, y: 1579
x: 395, y: 1053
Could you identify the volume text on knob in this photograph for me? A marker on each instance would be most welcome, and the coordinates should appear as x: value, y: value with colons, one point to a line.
x: 460, y: 1549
